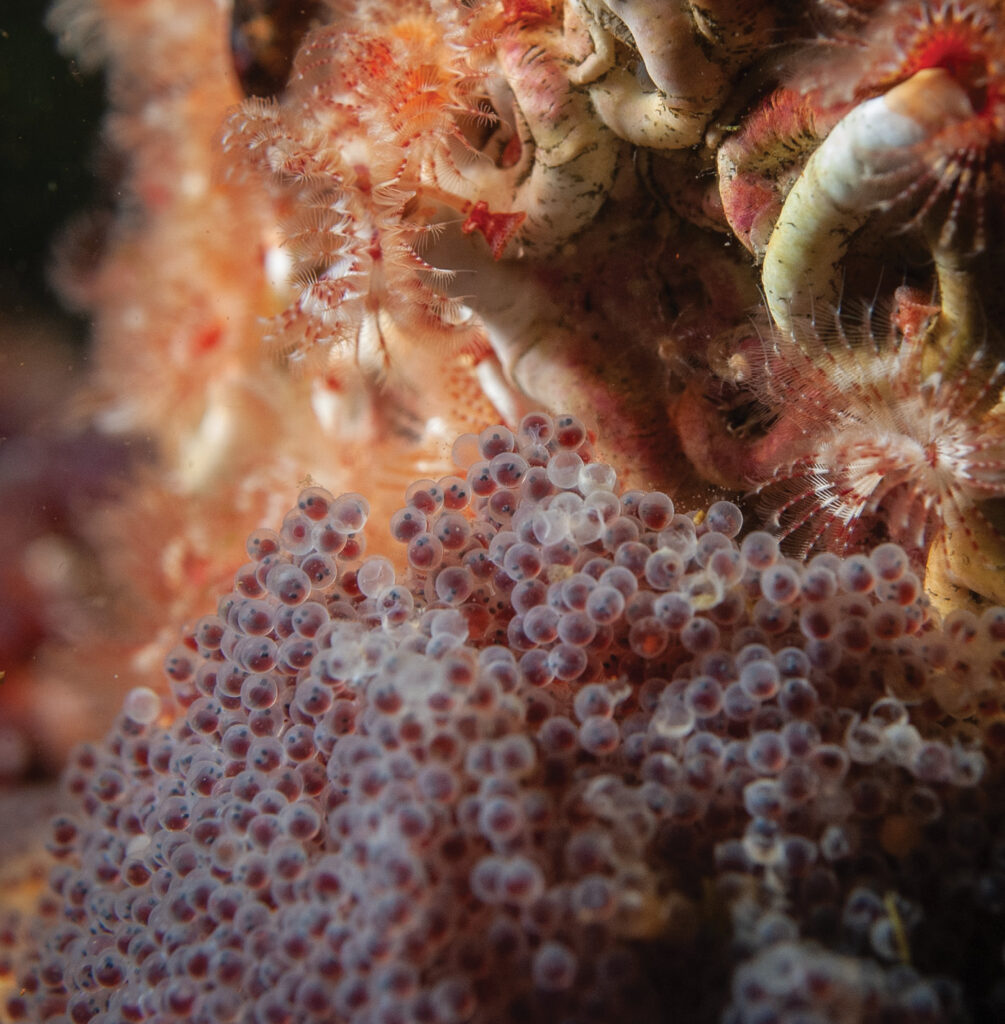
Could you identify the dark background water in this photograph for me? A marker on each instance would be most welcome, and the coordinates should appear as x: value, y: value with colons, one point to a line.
x: 50, y: 113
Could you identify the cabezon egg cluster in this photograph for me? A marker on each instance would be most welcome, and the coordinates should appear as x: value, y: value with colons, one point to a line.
x: 584, y: 757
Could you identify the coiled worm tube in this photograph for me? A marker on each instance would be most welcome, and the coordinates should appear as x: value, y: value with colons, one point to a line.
x: 872, y: 157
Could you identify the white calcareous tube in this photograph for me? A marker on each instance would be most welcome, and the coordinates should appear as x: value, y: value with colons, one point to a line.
x: 872, y: 157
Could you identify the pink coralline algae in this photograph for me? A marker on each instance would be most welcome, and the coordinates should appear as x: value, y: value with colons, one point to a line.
x: 586, y: 758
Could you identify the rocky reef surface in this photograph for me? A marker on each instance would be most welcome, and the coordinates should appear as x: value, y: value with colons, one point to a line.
x: 728, y: 274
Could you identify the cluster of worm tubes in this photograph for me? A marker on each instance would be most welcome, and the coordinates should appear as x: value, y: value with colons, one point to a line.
x: 752, y: 245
